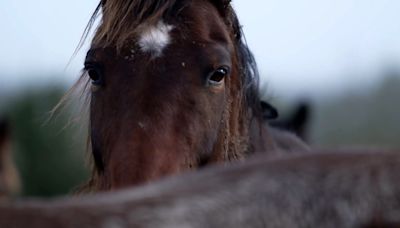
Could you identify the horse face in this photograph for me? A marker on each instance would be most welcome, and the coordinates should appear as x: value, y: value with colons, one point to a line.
x: 160, y: 105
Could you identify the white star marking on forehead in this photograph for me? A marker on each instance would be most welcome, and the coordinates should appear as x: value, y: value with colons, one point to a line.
x: 154, y: 39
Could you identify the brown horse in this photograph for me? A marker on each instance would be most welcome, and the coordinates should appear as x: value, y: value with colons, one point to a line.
x: 173, y: 88
x: 9, y: 177
x: 341, y: 189
x: 297, y: 122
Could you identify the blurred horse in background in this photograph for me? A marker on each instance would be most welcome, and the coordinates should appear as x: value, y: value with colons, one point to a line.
x: 9, y: 177
x: 296, y: 122
x: 173, y: 87
x: 290, y: 133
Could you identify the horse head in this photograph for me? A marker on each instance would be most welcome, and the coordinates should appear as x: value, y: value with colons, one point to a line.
x: 173, y: 88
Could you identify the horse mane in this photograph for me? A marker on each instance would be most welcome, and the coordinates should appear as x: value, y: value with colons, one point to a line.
x: 122, y: 19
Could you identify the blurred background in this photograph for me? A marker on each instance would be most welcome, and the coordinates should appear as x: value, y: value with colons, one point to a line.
x: 339, y: 57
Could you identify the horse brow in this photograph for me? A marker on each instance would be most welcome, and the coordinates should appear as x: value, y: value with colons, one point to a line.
x: 90, y: 55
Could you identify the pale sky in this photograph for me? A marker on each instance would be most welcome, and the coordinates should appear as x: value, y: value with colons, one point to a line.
x: 300, y: 46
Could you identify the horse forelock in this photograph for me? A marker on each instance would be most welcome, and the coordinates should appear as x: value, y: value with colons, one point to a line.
x: 123, y: 19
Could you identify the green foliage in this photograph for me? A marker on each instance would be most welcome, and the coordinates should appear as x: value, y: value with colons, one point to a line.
x: 49, y: 155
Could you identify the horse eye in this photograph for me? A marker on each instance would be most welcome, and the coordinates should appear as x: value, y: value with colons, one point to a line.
x: 95, y: 75
x: 217, y: 77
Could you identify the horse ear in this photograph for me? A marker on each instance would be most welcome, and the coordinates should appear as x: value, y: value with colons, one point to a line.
x: 222, y: 5
x: 269, y: 112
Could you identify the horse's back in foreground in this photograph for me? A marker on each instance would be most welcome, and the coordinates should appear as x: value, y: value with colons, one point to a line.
x: 315, y: 190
